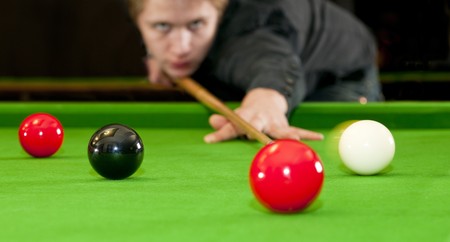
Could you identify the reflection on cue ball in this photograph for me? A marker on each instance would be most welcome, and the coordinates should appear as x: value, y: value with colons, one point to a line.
x: 366, y: 147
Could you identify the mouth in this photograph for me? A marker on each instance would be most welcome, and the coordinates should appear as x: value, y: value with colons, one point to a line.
x: 180, y: 65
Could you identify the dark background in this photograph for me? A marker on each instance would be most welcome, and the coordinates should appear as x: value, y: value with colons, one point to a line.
x: 68, y: 38
x: 412, y: 35
x: 91, y: 38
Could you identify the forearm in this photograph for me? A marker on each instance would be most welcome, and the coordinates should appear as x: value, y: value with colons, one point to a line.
x: 288, y: 81
x: 267, y: 63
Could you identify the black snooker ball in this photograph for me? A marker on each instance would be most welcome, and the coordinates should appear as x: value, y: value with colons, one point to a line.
x: 115, y: 151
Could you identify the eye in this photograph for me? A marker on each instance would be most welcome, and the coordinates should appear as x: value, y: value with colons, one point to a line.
x: 162, y: 27
x: 196, y: 24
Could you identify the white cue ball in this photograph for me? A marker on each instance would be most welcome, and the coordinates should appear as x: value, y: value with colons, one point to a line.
x: 366, y: 147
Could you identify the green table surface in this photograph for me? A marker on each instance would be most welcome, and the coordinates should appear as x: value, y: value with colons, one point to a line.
x: 187, y: 190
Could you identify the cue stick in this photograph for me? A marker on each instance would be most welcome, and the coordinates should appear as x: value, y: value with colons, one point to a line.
x: 208, y: 99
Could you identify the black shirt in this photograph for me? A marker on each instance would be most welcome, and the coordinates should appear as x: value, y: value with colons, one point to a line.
x: 277, y: 43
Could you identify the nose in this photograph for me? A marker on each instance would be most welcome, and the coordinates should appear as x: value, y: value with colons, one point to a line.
x: 181, y: 42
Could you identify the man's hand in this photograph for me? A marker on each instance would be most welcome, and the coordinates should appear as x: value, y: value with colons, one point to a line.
x: 265, y: 109
x: 155, y: 73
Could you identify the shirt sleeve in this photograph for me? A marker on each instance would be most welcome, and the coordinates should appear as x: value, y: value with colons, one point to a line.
x: 263, y: 59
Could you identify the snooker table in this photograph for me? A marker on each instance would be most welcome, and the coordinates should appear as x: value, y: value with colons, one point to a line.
x: 187, y: 190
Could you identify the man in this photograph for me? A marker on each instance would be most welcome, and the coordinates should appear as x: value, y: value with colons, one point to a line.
x: 277, y: 53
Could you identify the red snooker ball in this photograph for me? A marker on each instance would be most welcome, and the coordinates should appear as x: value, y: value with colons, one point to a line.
x: 41, y: 135
x: 286, y: 176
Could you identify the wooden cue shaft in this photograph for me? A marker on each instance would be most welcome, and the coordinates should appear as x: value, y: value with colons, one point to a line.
x: 208, y: 99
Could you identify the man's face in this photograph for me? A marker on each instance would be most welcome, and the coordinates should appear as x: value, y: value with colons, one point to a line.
x: 178, y: 33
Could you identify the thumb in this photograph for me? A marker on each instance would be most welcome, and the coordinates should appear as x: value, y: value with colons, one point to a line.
x: 217, y: 121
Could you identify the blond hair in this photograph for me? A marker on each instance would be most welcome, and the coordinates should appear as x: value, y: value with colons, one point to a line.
x: 135, y: 7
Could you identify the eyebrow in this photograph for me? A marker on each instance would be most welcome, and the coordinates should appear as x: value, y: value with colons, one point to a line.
x: 165, y: 19
x: 157, y: 21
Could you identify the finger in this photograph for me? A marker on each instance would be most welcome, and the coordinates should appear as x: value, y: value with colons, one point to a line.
x: 164, y: 79
x: 217, y: 121
x: 295, y: 133
x: 153, y: 77
x: 155, y: 72
x: 227, y: 132
x: 309, y: 135
x: 165, y: 82
x: 152, y: 71
x: 258, y: 124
